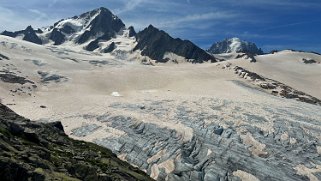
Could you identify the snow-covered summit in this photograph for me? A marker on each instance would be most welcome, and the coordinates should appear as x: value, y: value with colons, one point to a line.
x: 98, y: 24
x: 234, y: 45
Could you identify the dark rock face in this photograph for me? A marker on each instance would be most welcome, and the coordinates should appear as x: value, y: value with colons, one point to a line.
x: 92, y: 45
x: 235, y: 45
x: 132, y: 31
x: 3, y: 57
x: 104, y: 23
x: 308, y: 61
x: 15, y: 79
x: 29, y: 34
x: 46, y: 77
x: 110, y: 48
x: 67, y: 29
x: 57, y: 37
x: 155, y: 43
x: 84, y: 37
x: 8, y: 33
x: 35, y: 151
x: 39, y: 30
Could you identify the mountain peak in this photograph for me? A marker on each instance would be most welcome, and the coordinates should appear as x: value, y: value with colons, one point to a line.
x: 103, y: 9
x: 156, y: 43
x: 235, y: 45
x: 94, y: 25
x: 29, y: 28
x: 151, y: 27
x: 102, y: 12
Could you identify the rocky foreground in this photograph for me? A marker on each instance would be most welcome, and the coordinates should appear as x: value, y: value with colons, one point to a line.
x: 34, y: 151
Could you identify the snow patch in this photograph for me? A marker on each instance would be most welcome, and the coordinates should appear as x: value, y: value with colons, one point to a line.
x: 116, y: 94
x: 235, y: 44
x: 172, y: 57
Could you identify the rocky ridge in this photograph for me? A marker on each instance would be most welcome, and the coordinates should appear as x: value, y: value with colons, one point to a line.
x: 35, y: 151
x: 276, y: 88
x: 29, y: 34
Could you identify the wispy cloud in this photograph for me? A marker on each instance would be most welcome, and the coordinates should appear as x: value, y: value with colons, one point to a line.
x: 14, y: 20
x: 290, y: 25
x: 274, y: 3
x: 217, y: 16
x: 40, y: 15
x: 129, y: 5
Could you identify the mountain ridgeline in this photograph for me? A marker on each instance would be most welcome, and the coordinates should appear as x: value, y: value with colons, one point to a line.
x: 91, y: 29
x: 155, y: 43
x: 29, y: 34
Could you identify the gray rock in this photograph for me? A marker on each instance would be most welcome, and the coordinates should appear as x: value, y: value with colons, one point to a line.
x: 218, y: 130
x: 85, y: 130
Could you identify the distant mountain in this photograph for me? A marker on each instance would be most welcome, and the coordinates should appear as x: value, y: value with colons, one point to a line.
x: 88, y: 28
x: 235, y: 45
x: 155, y: 43
x: 29, y: 34
x: 93, y: 26
x: 100, y: 29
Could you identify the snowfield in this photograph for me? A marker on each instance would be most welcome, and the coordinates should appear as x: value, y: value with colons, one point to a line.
x: 175, y: 121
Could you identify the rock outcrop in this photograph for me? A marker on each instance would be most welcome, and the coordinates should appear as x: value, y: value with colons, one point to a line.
x: 3, y: 57
x: 276, y: 88
x: 246, y: 56
x: 35, y: 151
x: 308, y: 61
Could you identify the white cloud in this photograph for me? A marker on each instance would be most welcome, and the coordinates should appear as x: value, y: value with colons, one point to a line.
x: 129, y: 5
x: 274, y: 3
x: 40, y: 15
x: 217, y: 16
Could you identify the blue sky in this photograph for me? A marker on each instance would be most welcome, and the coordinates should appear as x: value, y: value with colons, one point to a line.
x: 271, y: 24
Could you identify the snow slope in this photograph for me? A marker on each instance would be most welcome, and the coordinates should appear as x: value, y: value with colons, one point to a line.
x: 288, y: 67
x: 174, y: 121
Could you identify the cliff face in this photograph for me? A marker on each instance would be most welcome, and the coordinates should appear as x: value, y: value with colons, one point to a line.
x: 155, y: 43
x: 36, y: 151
